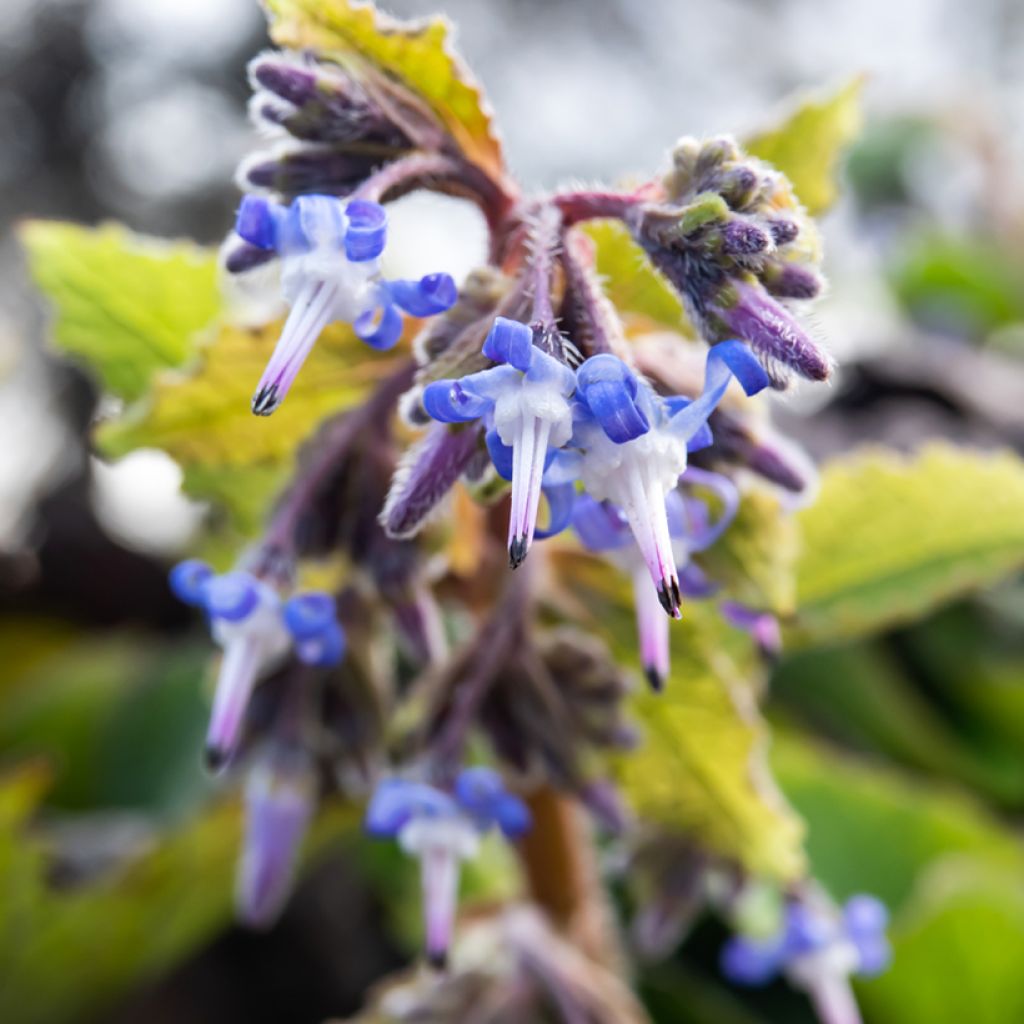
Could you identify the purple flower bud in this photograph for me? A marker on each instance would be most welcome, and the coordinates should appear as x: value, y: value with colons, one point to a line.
x: 305, y: 171
x: 283, y: 77
x: 783, y: 230
x: 743, y: 238
x: 279, y: 804
x: 240, y: 256
x: 426, y: 474
x: 770, y: 330
x: 791, y: 280
x: 189, y: 580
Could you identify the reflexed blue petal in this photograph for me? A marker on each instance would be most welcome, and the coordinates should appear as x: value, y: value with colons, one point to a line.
x: 306, y: 615
x: 380, y: 335
x: 746, y: 962
x: 233, y: 596
x: 806, y: 930
x: 448, y: 402
x: 564, y: 468
x: 477, y: 790
x: 367, y: 230
x: 865, y: 915
x: 510, y: 342
x: 512, y: 816
x: 501, y: 454
x: 873, y: 955
x: 703, y: 438
x: 609, y: 389
x: 257, y: 222
x: 561, y: 502
x: 725, y: 360
x: 396, y: 802
x: 545, y: 368
x: 188, y: 581
x: 600, y: 526
x: 704, y: 535
x: 324, y: 648
x: 428, y: 296
x: 312, y: 221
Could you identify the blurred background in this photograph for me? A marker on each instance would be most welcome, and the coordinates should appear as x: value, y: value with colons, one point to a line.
x: 136, y: 111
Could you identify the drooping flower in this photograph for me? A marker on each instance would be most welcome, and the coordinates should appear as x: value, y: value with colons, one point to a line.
x: 330, y: 271
x: 817, y: 949
x: 634, y: 445
x: 524, y: 403
x: 249, y: 619
x: 443, y: 829
x: 604, y: 527
x: 280, y: 797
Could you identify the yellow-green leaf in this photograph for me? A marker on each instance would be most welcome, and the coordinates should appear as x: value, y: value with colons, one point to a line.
x: 126, y: 305
x: 701, y: 765
x: 754, y: 559
x: 203, y: 419
x: 418, y: 53
x: 891, y: 537
x: 643, y: 297
x: 808, y: 145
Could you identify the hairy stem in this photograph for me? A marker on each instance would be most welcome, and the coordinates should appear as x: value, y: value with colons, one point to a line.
x: 596, y: 324
x: 334, y: 444
x: 578, y: 206
x: 438, y: 172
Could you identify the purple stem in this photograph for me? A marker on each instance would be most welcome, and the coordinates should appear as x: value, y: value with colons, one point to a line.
x: 335, y: 445
x: 578, y: 206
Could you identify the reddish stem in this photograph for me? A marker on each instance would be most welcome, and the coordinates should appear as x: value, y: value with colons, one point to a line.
x: 579, y: 206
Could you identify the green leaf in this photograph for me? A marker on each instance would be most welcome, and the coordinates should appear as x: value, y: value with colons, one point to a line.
x: 419, y: 54
x: 890, y: 538
x: 66, y: 953
x: 754, y: 559
x: 701, y: 765
x: 862, y: 694
x: 203, y: 419
x: 958, y: 951
x: 972, y: 286
x: 871, y: 828
x: 807, y: 146
x: 641, y: 294
x: 126, y: 305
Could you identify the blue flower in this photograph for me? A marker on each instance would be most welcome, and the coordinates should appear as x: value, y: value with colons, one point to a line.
x: 604, y: 527
x: 524, y: 402
x: 816, y: 947
x: 330, y: 271
x: 255, y: 627
x: 634, y: 445
x: 443, y: 829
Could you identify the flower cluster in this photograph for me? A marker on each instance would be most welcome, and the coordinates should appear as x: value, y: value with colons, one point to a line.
x: 548, y: 426
x: 330, y: 270
x: 249, y: 619
x: 729, y: 234
x: 814, y: 945
x: 442, y: 829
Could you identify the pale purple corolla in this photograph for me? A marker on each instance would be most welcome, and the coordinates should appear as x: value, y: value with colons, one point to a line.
x: 817, y: 948
x: 280, y: 798
x: 633, y: 445
x: 524, y: 402
x: 442, y: 828
x: 330, y: 271
x: 604, y: 527
x: 255, y: 626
